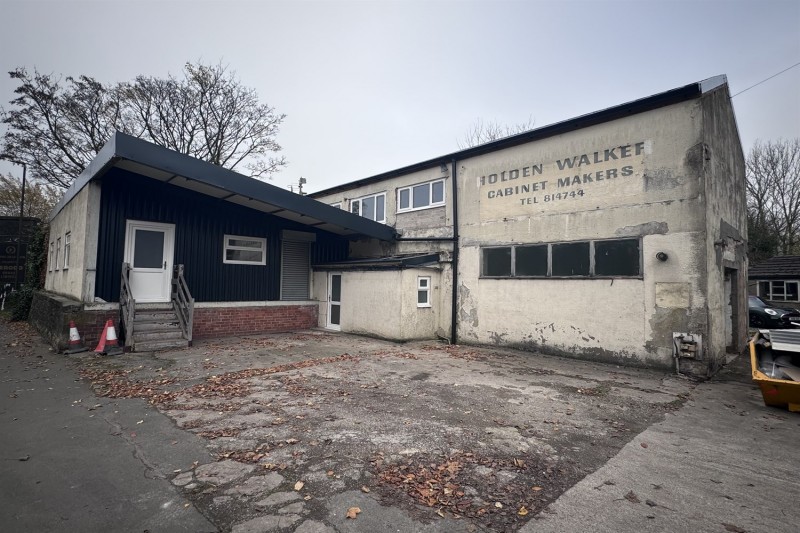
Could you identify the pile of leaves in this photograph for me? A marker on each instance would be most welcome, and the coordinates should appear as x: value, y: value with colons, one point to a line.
x: 222, y: 432
x: 456, y: 352
x: 454, y: 487
x: 112, y: 384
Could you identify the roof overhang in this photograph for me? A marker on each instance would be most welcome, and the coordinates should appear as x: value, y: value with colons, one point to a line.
x: 383, y: 263
x: 165, y: 165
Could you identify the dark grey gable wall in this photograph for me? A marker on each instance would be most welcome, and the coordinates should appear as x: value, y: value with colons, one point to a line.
x: 200, y: 225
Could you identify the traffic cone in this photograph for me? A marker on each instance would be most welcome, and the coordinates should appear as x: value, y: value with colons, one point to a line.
x: 101, y: 344
x: 75, y: 344
x: 111, y: 345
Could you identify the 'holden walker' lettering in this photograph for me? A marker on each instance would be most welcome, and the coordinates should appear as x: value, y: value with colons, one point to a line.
x: 581, y: 163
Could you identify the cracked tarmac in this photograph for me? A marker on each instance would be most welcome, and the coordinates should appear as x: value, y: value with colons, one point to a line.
x: 289, y: 432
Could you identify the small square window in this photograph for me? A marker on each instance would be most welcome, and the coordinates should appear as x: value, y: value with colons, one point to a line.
x: 421, y: 196
x: 496, y: 262
x: 616, y: 258
x: 571, y: 259
x: 530, y: 260
x: 424, y: 291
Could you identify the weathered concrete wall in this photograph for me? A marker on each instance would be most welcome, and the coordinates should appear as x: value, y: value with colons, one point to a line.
x: 641, y: 177
x: 80, y: 218
x: 726, y: 229
x: 383, y: 303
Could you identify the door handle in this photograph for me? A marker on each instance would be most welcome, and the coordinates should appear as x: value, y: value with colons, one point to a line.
x: 165, y: 265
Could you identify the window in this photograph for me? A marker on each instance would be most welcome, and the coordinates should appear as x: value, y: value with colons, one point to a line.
x: 779, y: 291
x: 50, y: 258
x: 530, y: 260
x: 58, y: 251
x: 609, y: 258
x: 67, y: 241
x: 424, y: 291
x: 420, y: 196
x: 497, y: 261
x: 371, y: 207
x: 617, y: 258
x: 245, y: 250
x: 570, y: 259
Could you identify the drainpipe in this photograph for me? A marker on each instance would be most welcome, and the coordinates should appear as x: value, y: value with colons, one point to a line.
x: 454, y: 310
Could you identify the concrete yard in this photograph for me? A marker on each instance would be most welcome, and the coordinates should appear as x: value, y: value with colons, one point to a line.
x: 298, y: 431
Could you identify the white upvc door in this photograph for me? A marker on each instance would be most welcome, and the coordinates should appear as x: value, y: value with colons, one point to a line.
x: 335, y: 300
x: 149, y: 249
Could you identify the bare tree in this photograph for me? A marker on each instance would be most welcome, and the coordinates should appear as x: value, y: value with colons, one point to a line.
x: 773, y: 195
x: 481, y: 132
x: 57, y: 127
x: 40, y: 198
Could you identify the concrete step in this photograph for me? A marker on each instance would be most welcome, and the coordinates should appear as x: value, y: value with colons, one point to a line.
x: 140, y: 336
x: 152, y: 346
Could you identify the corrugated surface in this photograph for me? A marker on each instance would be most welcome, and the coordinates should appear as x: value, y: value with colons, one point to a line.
x: 295, y: 271
x: 200, y: 225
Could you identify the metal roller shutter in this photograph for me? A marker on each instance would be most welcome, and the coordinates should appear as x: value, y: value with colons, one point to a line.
x: 295, y: 270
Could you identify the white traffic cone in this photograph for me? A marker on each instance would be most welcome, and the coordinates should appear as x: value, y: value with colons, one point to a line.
x: 111, y: 346
x: 75, y: 344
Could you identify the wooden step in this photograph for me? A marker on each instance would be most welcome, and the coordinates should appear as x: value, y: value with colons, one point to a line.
x: 155, y: 316
x: 169, y: 334
x: 155, y: 345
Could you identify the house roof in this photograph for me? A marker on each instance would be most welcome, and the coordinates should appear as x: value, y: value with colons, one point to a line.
x: 165, y: 165
x: 674, y: 96
x: 780, y: 267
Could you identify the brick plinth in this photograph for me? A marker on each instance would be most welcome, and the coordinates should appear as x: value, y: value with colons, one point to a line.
x: 227, y: 321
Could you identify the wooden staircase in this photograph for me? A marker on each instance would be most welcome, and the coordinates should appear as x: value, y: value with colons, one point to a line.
x: 156, y: 327
x: 149, y: 327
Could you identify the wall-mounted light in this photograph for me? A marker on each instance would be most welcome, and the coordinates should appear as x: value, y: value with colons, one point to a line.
x: 661, y: 256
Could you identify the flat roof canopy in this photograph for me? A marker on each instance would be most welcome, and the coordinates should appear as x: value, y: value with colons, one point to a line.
x: 165, y: 165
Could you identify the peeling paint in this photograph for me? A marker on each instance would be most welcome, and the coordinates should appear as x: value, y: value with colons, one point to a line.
x: 648, y: 228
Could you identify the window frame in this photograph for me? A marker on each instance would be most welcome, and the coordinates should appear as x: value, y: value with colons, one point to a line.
x: 771, y: 291
x: 360, y: 201
x: 426, y: 290
x: 226, y: 246
x: 67, y: 249
x: 431, y: 204
x: 58, y: 252
x: 50, y: 256
x: 549, y: 274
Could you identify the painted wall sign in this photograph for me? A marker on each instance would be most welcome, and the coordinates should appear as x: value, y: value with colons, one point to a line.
x: 578, y: 180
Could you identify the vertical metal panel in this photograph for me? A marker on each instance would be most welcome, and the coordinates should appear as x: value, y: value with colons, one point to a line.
x: 200, y: 225
x: 295, y: 271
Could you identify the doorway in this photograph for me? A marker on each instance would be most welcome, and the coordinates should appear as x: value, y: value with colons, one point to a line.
x: 149, y: 248
x: 335, y: 300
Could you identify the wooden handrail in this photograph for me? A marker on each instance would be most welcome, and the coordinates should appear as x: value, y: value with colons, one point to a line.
x: 182, y: 302
x: 127, y: 304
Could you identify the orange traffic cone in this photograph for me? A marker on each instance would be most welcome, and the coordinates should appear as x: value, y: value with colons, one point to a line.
x: 111, y: 345
x: 101, y: 344
x: 75, y: 345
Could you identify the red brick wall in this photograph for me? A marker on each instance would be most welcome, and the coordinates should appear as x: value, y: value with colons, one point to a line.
x: 92, y: 324
x: 227, y: 321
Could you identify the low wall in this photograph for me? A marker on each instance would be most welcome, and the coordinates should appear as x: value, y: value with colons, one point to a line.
x: 226, y: 321
x: 52, y: 313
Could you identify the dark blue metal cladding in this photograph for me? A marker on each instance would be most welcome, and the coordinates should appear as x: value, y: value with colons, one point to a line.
x: 201, y: 222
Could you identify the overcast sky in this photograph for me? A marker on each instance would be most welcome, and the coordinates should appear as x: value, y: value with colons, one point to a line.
x: 369, y: 86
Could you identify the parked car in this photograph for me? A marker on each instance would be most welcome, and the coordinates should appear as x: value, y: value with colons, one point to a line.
x: 765, y: 315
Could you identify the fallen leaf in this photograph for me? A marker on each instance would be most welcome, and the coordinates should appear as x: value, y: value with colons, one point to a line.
x: 651, y: 503
x: 536, y: 489
x: 498, y: 505
x: 330, y: 473
x: 522, y: 511
x: 441, y: 513
x: 140, y: 422
x: 364, y: 489
x: 632, y: 497
x: 299, y: 485
x: 643, y: 445
x: 24, y: 457
x: 353, y: 512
